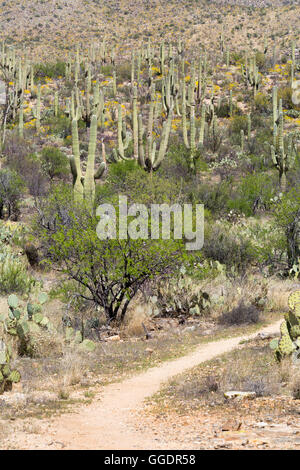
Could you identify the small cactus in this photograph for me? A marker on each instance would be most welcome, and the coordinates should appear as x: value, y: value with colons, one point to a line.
x: 8, y: 376
x: 289, y: 341
x: 24, y: 323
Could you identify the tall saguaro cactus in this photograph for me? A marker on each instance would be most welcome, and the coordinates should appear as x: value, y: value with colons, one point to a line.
x: 84, y: 186
x: 190, y: 141
x: 283, y: 154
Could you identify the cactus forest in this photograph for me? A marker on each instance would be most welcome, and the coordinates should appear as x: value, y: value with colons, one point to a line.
x: 108, y: 106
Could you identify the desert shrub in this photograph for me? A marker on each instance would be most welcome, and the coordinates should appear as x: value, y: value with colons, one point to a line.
x: 260, y: 59
x: 13, y: 275
x: 262, y: 103
x: 254, y: 193
x: 223, y: 110
x: 176, y: 164
x: 296, y: 385
x: 237, y: 124
x: 201, y: 387
x: 11, y: 190
x: 60, y: 125
x: 33, y: 176
x: 287, y: 220
x: 46, y: 344
x: 123, y: 72
x: 252, y: 370
x: 215, y: 198
x: 21, y: 159
x: 228, y: 247
x: 111, y: 271
x: 242, y: 314
x: 54, y: 163
x: 285, y: 93
x: 51, y: 70
x: 107, y: 69
x: 214, y: 137
x: 129, y: 179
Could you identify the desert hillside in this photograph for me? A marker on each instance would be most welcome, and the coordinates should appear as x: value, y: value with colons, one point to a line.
x: 60, y: 24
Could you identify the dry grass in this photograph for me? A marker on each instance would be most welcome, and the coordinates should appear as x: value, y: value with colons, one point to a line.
x: 279, y: 292
x: 134, y: 320
x: 252, y: 369
x: 295, y: 384
x: 51, y: 384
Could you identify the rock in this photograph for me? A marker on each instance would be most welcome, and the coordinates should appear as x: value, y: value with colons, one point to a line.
x: 240, y: 395
x: 149, y: 351
x: 260, y: 425
x: 266, y: 335
x: 231, y: 425
x: 190, y: 328
x: 114, y: 338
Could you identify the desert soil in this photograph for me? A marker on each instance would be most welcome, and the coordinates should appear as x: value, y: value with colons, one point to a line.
x: 115, y: 418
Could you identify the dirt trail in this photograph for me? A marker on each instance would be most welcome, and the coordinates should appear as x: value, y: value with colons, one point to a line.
x: 110, y: 421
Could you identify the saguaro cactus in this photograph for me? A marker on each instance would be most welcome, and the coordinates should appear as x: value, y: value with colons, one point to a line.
x: 123, y: 137
x: 84, y: 186
x: 151, y: 158
x: 283, y: 159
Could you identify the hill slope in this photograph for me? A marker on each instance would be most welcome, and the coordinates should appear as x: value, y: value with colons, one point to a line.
x: 59, y: 24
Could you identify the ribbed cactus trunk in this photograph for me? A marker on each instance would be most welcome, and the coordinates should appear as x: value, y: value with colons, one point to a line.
x: 135, y: 125
x: 21, y: 121
x: 274, y: 98
x: 193, y: 133
x: 114, y: 84
x: 202, y: 126
x: 75, y: 164
x: 89, y: 180
x: 120, y: 133
x: 38, y: 109
x: 282, y: 180
x: 242, y: 140
x: 184, y: 123
x: 56, y: 104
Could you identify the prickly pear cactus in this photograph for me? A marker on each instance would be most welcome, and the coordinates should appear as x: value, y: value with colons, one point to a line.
x: 75, y: 338
x: 289, y: 341
x: 24, y: 324
x: 8, y: 376
x: 177, y: 297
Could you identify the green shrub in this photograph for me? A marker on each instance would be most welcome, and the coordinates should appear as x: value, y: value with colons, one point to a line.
x: 112, y: 271
x: 285, y: 93
x: 262, y: 103
x: 287, y: 219
x: 13, y: 275
x: 254, y: 193
x: 228, y: 247
x: 11, y: 190
x: 51, y: 70
x: 237, y: 124
x: 60, y: 126
x: 54, y: 162
x: 215, y: 198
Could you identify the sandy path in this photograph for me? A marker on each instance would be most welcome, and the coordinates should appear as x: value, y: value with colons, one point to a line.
x: 110, y: 421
